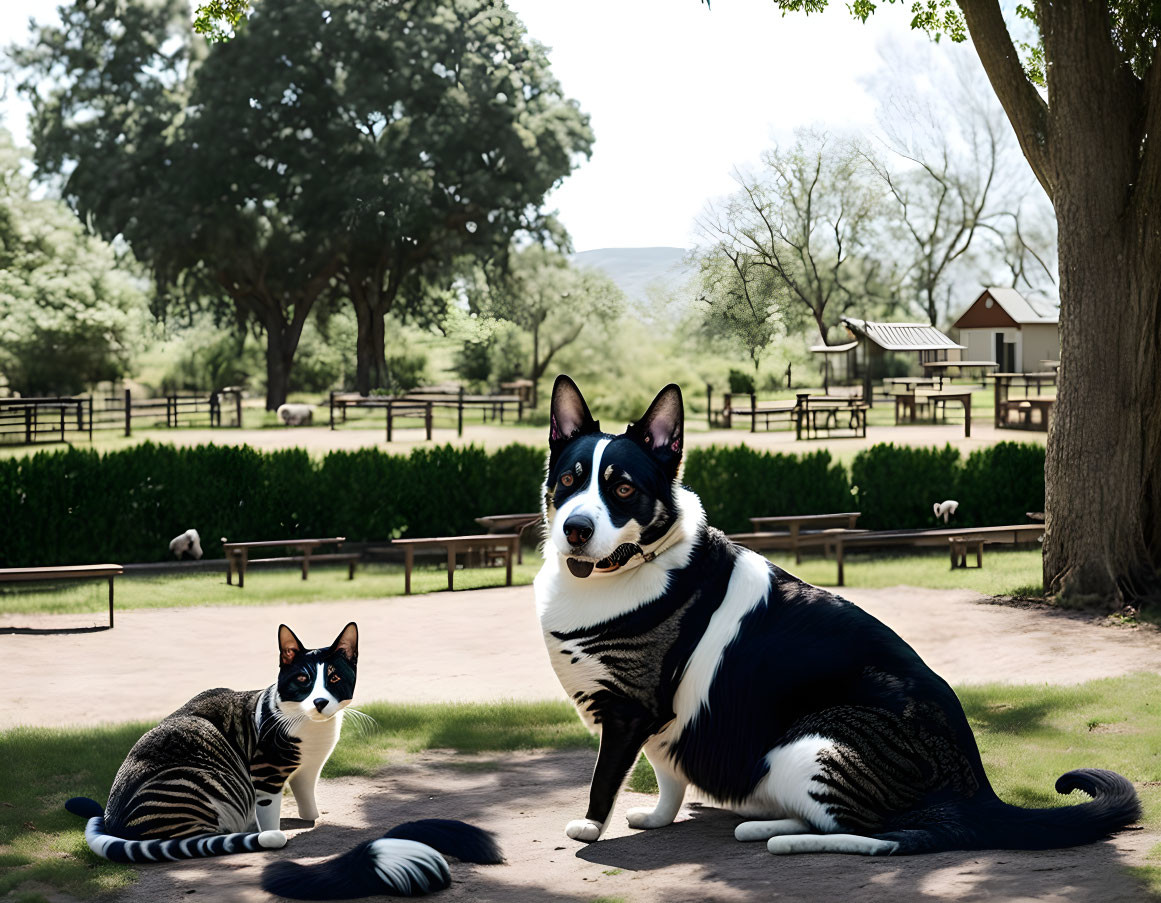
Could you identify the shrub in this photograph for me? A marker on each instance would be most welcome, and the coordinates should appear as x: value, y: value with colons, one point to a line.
x: 741, y: 382
x: 1001, y: 484
x: 736, y: 483
x: 895, y: 487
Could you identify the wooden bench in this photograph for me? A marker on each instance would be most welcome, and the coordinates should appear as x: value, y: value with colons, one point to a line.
x: 238, y: 555
x: 510, y: 523
x: 820, y: 416
x: 504, y: 544
x: 75, y: 572
x: 794, y: 524
x: 961, y: 545
x: 911, y: 402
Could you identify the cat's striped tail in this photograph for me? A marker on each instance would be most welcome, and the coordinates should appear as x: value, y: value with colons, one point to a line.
x: 118, y: 849
x: 404, y: 862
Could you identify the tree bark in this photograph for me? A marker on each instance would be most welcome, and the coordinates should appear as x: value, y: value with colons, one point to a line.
x: 281, y: 344
x: 1089, y: 149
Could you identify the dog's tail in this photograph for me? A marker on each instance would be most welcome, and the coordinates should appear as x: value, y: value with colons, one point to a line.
x: 995, y: 825
x: 120, y: 849
x: 404, y: 862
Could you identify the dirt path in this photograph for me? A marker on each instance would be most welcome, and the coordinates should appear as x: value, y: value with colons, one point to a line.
x: 479, y: 645
x: 485, y: 645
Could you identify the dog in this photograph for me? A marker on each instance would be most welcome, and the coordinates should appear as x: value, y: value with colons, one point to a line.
x: 187, y: 543
x: 774, y: 698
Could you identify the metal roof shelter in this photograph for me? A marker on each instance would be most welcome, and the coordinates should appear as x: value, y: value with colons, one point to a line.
x: 827, y: 351
x: 901, y: 336
x: 929, y: 342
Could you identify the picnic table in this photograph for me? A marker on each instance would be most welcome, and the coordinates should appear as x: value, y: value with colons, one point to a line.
x: 238, y: 555
x: 509, y: 523
x: 505, y: 544
x: 68, y: 572
x: 791, y: 526
x: 909, y: 402
x: 911, y: 383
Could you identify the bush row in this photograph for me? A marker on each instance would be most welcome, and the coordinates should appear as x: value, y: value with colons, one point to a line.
x: 77, y: 506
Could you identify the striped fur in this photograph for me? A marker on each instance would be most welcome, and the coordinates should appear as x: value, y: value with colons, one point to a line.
x: 209, y: 778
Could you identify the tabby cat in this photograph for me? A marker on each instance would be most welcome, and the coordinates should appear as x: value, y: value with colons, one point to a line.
x: 208, y: 779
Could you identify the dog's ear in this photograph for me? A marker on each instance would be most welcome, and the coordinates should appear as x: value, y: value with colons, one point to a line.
x: 661, y: 429
x: 570, y: 414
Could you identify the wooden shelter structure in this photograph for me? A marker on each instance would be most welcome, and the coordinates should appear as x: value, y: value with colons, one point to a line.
x: 876, y: 339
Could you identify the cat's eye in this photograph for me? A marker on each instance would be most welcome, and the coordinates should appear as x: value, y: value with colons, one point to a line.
x: 334, y: 679
x: 624, y: 490
x: 302, y: 678
x: 566, y: 479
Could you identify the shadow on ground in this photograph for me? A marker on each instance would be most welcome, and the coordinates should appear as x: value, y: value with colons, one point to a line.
x: 526, y: 798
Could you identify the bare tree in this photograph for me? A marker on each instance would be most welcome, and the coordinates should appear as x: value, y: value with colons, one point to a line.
x: 807, y: 218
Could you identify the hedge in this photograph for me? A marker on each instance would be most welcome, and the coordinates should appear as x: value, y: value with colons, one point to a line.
x: 77, y: 506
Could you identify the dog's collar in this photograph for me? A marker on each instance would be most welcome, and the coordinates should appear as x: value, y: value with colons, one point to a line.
x: 626, y: 556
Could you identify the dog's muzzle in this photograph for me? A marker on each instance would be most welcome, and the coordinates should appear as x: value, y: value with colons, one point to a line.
x: 581, y: 567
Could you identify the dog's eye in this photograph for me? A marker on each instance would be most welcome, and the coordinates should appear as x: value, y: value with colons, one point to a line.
x: 624, y: 490
x: 566, y: 479
x: 334, y: 678
x: 302, y: 678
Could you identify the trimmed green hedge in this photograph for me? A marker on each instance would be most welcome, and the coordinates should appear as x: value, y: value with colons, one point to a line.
x: 78, y: 507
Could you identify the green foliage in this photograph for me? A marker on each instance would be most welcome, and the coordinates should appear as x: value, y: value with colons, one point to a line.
x: 741, y: 382
x: 79, y: 507
x: 1002, y: 483
x: 210, y: 358
x: 736, y: 483
x: 69, y: 310
x: 895, y: 486
x: 217, y: 20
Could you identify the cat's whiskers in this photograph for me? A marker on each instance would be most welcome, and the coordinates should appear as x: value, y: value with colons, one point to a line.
x: 363, y: 723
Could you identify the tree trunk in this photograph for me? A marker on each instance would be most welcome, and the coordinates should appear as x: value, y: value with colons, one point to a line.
x: 364, y: 354
x: 536, y: 370
x: 281, y: 343
x: 371, y: 306
x: 1103, y: 472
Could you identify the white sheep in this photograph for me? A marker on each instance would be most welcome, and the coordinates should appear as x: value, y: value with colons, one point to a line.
x: 187, y: 543
x: 295, y: 414
x: 945, y: 509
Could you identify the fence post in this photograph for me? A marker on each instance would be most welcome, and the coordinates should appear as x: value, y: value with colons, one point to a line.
x: 427, y: 420
x: 753, y: 413
x: 460, y: 417
x: 90, y: 418
x: 27, y: 425
x: 331, y: 405
x: 388, y: 420
x: 128, y: 413
x: 62, y: 422
x: 727, y: 413
x: 709, y: 406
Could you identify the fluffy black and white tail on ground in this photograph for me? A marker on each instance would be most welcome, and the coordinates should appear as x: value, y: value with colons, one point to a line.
x: 118, y: 849
x: 404, y: 862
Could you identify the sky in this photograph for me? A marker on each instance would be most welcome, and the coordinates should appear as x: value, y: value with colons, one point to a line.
x: 678, y: 94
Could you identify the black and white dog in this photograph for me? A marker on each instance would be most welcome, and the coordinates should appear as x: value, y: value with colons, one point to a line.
x: 778, y: 700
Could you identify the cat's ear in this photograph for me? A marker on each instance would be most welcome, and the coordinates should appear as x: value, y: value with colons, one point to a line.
x: 347, y: 643
x: 661, y: 429
x: 570, y: 415
x: 289, y: 648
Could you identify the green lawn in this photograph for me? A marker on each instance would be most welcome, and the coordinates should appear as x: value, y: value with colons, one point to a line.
x: 263, y: 587
x: 1006, y: 572
x: 1028, y: 735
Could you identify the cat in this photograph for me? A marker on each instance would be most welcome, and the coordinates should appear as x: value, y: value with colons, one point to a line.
x: 208, y: 779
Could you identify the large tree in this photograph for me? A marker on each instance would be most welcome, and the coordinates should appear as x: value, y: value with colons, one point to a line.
x: 330, y: 148
x: 69, y: 310
x: 805, y: 221
x: 1085, y: 103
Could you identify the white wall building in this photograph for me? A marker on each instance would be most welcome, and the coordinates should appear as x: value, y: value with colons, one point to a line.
x: 1002, y: 325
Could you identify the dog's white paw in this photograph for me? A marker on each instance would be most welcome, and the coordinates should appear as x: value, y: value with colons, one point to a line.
x: 583, y: 829
x: 646, y: 817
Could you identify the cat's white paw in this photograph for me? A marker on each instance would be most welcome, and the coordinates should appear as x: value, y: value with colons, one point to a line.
x: 310, y: 814
x: 583, y: 829
x: 272, y: 840
x: 646, y: 817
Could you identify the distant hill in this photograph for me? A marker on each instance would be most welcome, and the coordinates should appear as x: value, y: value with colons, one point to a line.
x: 634, y: 269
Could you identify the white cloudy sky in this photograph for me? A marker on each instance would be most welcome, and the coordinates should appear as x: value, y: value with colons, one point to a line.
x: 678, y: 95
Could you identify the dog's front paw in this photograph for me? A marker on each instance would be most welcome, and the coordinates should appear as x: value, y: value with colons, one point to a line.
x: 583, y: 829
x: 646, y: 817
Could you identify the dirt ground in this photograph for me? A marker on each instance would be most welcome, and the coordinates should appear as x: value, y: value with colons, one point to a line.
x: 485, y: 644
x: 321, y: 439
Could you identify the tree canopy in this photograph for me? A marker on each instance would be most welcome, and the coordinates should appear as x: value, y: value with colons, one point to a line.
x: 69, y: 312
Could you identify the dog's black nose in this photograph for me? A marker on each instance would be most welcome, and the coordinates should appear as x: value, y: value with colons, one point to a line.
x: 578, y: 529
x: 321, y: 703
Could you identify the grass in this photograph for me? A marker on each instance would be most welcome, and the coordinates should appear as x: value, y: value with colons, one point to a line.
x: 1028, y: 736
x: 1006, y: 572
x: 263, y: 587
